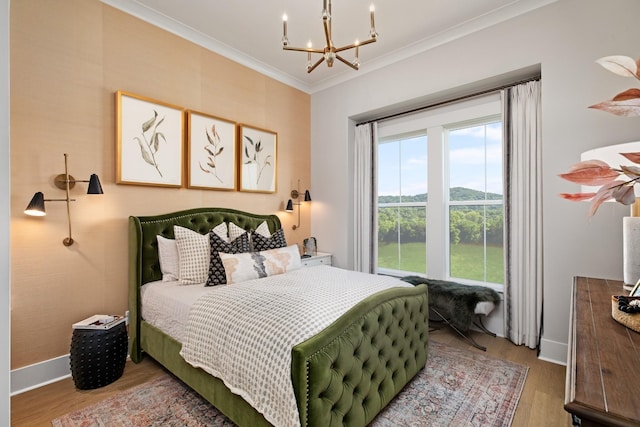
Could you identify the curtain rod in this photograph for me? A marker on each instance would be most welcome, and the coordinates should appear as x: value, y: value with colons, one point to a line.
x: 449, y: 101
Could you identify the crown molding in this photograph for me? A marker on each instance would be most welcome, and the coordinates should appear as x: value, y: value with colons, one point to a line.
x: 509, y: 11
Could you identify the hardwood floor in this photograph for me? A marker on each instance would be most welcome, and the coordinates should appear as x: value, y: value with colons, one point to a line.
x: 541, y: 402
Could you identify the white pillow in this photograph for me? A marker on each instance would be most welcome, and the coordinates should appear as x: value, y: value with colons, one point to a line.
x: 254, y: 265
x: 263, y: 229
x: 168, y: 258
x: 221, y: 231
x: 193, y: 255
x: 235, y: 232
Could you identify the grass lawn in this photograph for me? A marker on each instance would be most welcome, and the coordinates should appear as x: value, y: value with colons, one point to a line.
x: 466, y: 260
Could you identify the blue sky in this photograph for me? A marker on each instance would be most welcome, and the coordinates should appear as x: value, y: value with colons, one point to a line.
x: 469, y: 147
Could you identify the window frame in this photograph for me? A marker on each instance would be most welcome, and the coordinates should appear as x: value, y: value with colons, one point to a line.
x: 435, y: 124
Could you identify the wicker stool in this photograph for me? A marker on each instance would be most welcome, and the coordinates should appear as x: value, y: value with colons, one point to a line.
x: 98, y: 356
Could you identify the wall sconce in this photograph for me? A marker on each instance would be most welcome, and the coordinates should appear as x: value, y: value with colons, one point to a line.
x: 66, y: 182
x: 290, y: 203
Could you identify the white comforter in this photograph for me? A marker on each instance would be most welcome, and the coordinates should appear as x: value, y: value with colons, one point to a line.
x: 243, y: 333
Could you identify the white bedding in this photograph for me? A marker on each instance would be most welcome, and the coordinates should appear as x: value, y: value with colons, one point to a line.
x: 243, y: 333
x: 166, y: 305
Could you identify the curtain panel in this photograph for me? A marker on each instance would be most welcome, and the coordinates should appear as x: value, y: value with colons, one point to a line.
x: 523, y: 290
x: 364, y: 192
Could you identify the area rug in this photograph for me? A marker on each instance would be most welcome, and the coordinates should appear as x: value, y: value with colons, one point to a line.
x: 457, y: 388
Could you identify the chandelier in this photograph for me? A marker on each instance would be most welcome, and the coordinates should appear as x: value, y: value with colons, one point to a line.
x: 330, y: 52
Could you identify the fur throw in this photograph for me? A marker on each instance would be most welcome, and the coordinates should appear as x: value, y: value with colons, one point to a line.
x: 455, y: 301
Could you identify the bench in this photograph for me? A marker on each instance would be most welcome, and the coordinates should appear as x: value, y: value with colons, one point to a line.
x: 458, y: 305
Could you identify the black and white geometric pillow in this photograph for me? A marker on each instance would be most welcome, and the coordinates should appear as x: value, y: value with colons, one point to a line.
x: 262, y: 243
x: 217, y: 274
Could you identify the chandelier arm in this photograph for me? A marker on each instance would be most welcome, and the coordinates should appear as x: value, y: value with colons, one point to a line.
x: 341, y: 59
x: 352, y: 45
x: 320, y: 61
x: 303, y: 49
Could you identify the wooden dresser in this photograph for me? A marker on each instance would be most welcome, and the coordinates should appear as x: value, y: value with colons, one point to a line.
x: 603, y: 361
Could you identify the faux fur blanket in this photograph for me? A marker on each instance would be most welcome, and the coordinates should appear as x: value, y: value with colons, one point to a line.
x: 455, y: 301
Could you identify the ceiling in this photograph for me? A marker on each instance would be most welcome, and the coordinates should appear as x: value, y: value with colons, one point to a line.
x: 250, y: 31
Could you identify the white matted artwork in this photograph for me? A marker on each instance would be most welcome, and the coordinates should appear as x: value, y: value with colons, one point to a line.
x: 258, y: 159
x: 150, y: 141
x: 211, y: 150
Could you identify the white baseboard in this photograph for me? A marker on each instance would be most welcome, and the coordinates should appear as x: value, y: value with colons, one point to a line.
x: 39, y: 374
x: 553, y: 351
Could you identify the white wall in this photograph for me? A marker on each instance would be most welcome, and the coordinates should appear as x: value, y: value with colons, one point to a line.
x: 5, y: 198
x: 564, y: 39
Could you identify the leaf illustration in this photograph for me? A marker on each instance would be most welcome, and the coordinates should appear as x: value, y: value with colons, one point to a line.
x: 209, y: 150
x: 143, y: 150
x: 147, y: 125
x: 249, y: 139
x: 246, y: 151
x: 219, y: 151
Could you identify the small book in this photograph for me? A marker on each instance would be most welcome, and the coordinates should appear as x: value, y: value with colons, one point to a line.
x: 99, y: 321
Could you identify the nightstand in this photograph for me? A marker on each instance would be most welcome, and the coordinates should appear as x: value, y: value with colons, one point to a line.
x: 320, y: 258
x: 98, y: 356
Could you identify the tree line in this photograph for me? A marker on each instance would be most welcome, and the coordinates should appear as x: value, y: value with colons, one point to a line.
x: 467, y: 223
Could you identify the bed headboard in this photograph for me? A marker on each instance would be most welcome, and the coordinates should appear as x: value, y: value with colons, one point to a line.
x: 143, y: 247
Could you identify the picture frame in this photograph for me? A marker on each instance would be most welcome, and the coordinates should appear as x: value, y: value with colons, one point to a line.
x: 635, y: 291
x: 211, y: 152
x: 150, y: 141
x: 257, y: 159
x: 310, y: 246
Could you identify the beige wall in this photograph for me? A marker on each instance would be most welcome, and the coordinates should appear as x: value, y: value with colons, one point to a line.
x: 68, y: 57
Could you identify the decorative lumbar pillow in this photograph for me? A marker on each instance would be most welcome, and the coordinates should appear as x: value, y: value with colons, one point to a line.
x: 254, y: 265
x: 216, y: 274
x: 221, y: 231
x: 262, y: 243
x: 193, y: 255
x: 168, y: 259
x: 263, y: 229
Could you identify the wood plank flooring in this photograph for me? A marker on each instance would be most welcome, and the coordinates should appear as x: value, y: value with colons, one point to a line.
x: 541, y: 402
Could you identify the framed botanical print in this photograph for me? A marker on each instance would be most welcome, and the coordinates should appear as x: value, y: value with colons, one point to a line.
x: 150, y: 141
x: 258, y: 159
x: 211, y: 152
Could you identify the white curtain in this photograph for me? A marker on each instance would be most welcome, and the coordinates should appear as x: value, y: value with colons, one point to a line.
x: 523, y: 213
x: 364, y: 191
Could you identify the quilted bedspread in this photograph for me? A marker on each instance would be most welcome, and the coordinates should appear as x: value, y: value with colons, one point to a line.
x: 243, y: 333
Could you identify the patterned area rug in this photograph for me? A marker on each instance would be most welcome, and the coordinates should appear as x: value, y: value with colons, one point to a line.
x: 457, y: 388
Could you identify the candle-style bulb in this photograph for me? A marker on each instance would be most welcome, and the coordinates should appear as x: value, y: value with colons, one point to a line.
x: 285, y: 40
x: 373, y: 34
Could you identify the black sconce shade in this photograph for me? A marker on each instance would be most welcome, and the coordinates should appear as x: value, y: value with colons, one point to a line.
x: 36, y: 205
x: 289, y: 207
x: 307, y: 196
x: 94, y: 185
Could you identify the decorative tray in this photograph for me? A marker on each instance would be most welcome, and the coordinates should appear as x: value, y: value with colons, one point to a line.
x: 630, y: 320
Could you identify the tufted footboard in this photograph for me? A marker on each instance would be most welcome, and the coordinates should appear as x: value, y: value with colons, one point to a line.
x: 350, y: 372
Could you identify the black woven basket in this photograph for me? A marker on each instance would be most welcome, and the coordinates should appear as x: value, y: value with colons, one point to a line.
x: 98, y: 356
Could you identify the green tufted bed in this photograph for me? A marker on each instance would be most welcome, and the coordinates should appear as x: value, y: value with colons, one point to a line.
x: 343, y: 376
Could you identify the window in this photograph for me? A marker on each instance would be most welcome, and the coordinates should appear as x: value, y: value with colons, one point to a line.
x: 440, y: 194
